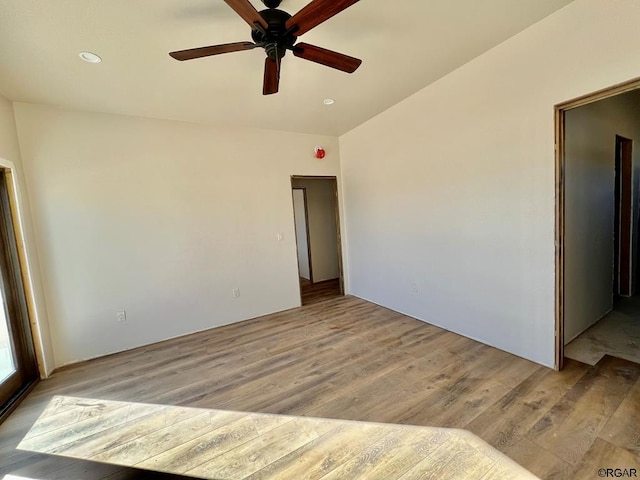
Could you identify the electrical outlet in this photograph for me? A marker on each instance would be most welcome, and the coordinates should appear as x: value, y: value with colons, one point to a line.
x: 236, y: 292
x: 121, y: 316
x: 414, y: 287
x: 280, y: 237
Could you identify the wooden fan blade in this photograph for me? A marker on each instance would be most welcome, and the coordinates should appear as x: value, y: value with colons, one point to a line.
x: 317, y: 12
x: 247, y: 12
x: 271, y: 77
x: 212, y: 50
x: 326, y: 57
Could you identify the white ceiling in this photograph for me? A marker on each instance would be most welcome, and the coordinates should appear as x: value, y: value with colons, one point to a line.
x: 404, y: 45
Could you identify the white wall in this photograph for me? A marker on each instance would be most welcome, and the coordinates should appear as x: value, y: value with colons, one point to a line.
x: 10, y: 157
x: 322, y: 228
x: 300, y: 216
x: 449, y: 195
x: 162, y: 219
x: 590, y: 133
x: 9, y: 148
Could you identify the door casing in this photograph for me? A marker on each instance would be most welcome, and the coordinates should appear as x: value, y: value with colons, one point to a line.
x: 334, y: 180
x: 11, y: 282
x: 559, y: 119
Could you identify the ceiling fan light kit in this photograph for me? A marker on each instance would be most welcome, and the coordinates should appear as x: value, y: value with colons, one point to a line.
x: 276, y: 31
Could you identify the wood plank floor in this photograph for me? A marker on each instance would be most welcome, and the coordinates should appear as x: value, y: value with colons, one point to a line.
x: 346, y: 358
x: 319, y: 291
x: 226, y: 445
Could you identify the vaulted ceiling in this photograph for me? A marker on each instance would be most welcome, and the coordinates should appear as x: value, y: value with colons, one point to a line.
x: 404, y: 44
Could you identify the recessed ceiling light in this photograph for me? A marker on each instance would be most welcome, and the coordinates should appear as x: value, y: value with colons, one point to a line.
x: 328, y: 101
x: 90, y: 57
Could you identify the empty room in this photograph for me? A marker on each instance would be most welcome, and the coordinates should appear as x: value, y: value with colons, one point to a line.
x: 319, y: 239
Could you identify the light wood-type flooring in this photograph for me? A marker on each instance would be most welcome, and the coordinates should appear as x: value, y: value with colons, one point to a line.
x: 319, y: 291
x: 616, y: 334
x: 346, y: 358
x: 226, y: 445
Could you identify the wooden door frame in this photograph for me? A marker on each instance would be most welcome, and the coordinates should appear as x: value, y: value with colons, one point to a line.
x: 21, y: 337
x: 623, y: 222
x: 306, y: 223
x: 559, y: 119
x: 336, y: 216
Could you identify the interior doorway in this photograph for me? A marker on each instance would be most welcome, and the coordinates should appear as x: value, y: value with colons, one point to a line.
x: 597, y: 218
x: 317, y: 223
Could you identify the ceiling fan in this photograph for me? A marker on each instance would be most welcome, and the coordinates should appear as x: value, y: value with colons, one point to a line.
x: 276, y: 31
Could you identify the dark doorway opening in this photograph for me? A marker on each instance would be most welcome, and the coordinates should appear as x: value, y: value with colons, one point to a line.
x: 622, y: 268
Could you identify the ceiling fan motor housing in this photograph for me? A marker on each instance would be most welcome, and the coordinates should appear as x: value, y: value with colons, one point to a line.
x: 276, y: 39
x: 272, y: 3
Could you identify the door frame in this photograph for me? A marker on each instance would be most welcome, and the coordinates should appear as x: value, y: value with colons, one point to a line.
x: 17, y: 297
x: 336, y: 217
x: 559, y: 146
x: 306, y: 223
x: 16, y: 313
x: 623, y: 222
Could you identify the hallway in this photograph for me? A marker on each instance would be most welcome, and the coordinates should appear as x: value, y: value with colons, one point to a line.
x: 319, y: 291
x: 616, y: 334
